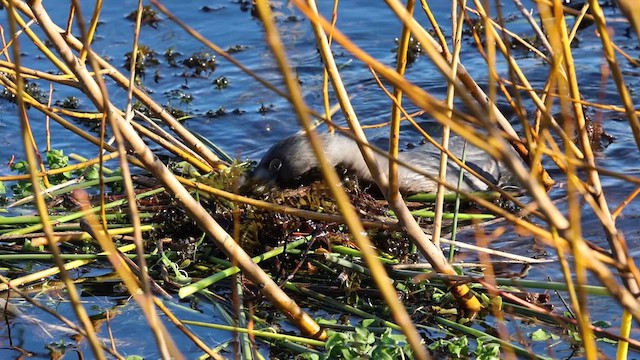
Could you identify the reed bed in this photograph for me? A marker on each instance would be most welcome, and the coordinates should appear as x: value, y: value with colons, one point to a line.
x: 335, y: 250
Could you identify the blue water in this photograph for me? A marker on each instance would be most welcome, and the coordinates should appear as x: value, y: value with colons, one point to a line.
x: 247, y: 133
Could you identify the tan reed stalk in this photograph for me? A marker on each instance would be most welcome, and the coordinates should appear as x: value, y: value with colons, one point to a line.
x: 393, y: 192
x: 615, y: 238
x: 28, y: 73
x: 70, y: 17
x: 565, y: 82
x: 329, y: 173
x: 40, y: 203
x: 46, y: 273
x: 631, y: 10
x: 457, y: 24
x: 482, y: 238
x: 189, y: 155
x: 172, y: 147
x: 166, y: 345
x: 93, y: 25
x: 4, y: 281
x: 123, y: 81
x: 33, y: 37
x: 496, y: 148
x: 192, y: 207
x: 624, y: 203
x: 430, y: 251
x: 325, y: 74
x: 188, y: 333
x: 609, y: 53
x: 145, y: 300
x: 82, y: 165
x: 379, y: 274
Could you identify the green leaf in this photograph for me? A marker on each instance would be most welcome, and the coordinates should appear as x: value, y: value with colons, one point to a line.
x: 607, y: 340
x: 459, y: 347
x: 117, y: 186
x: 367, y: 322
x: 603, y: 324
x: 543, y: 335
x: 486, y: 351
x: 3, y: 188
x: 22, y: 188
x: 56, y: 159
x: 22, y: 167
x: 308, y: 356
x: 439, y: 344
x: 383, y: 353
x: 92, y: 173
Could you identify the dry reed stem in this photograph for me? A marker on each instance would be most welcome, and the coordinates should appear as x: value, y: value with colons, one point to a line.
x: 457, y: 24
x: 331, y: 177
x: 325, y: 75
x: 40, y: 203
x: 5, y: 282
x: 12, y: 5
x: 157, y: 129
x: 172, y: 147
x: 193, y: 208
x: 387, y: 187
x: 614, y: 237
x: 496, y: 148
x: 631, y: 10
x: 427, y: 248
x: 188, y: 333
x: 393, y: 192
x: 93, y: 25
x: 515, y: 69
x: 287, y: 210
x: 564, y: 80
x: 165, y: 343
x: 431, y: 252
x: 28, y: 73
x: 145, y: 300
x: 49, y: 172
x: 609, y: 53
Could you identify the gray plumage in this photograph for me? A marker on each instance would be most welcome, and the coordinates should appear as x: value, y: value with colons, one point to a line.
x: 293, y: 157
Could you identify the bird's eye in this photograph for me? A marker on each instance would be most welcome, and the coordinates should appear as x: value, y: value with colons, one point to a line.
x: 275, y: 165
